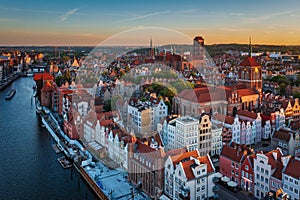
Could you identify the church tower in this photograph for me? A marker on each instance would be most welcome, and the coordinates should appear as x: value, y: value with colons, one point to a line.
x: 198, y: 48
x: 250, y: 72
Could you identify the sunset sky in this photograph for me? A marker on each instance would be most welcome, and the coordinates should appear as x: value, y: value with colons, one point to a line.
x: 75, y: 22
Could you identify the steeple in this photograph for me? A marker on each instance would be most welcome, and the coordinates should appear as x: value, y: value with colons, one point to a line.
x: 151, y: 43
x: 250, y: 47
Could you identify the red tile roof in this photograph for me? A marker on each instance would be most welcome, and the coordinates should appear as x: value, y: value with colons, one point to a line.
x: 293, y: 168
x: 223, y: 118
x: 43, y: 76
x: 274, y: 162
x: 206, y: 160
x: 282, y: 135
x: 246, y: 92
x: 187, y: 166
x: 249, y: 61
x: 247, y: 113
x: 237, y: 154
x: 188, y: 170
x: 180, y: 157
x: 278, y: 172
x: 105, y: 123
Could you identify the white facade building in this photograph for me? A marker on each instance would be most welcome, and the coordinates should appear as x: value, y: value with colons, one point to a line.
x: 264, y: 166
x: 291, y: 178
x: 185, y: 133
x: 216, y: 140
x: 189, y: 176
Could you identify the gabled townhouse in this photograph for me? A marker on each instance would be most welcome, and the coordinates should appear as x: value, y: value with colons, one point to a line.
x: 266, y: 128
x: 256, y: 120
x: 231, y: 160
x: 231, y: 127
x: 264, y: 167
x: 291, y: 178
x: 286, y: 139
x: 189, y: 176
x: 296, y: 111
x: 248, y: 179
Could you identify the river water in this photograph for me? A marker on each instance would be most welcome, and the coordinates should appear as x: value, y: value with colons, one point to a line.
x: 28, y: 165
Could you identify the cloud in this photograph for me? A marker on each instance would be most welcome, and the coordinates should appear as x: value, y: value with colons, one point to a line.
x: 253, y: 20
x: 187, y: 11
x: 67, y: 15
x: 141, y: 17
x: 231, y: 29
x: 237, y: 14
x: 30, y: 10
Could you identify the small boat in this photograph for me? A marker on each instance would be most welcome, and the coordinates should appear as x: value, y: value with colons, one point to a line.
x: 64, y: 162
x: 10, y: 94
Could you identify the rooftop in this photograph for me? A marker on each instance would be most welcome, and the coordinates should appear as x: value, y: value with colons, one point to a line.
x: 113, y: 182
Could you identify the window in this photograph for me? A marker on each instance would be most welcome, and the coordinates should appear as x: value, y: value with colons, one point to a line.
x: 232, y: 164
x: 198, y: 181
x: 198, y: 189
x: 203, y: 187
x: 266, y: 180
x: 179, y: 173
x: 246, y: 167
x: 296, y: 191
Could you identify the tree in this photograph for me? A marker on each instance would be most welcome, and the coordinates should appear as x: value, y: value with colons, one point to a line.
x: 297, y: 82
x: 107, y: 106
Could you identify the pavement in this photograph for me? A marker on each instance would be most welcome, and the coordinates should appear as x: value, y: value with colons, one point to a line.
x: 226, y: 194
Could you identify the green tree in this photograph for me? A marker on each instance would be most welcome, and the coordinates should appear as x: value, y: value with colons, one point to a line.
x: 107, y: 106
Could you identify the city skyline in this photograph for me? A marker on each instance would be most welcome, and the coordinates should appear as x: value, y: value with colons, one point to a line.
x: 36, y: 23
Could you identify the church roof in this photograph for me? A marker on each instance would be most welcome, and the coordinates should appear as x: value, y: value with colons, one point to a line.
x: 249, y: 61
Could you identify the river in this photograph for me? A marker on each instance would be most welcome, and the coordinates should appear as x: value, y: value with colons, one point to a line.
x: 28, y: 164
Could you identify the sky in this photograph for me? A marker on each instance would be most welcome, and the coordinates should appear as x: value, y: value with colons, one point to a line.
x: 68, y: 23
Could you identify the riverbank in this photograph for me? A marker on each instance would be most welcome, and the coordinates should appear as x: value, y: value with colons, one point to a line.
x: 106, y: 183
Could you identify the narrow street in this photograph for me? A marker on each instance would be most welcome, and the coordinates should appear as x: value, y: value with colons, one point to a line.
x: 226, y: 194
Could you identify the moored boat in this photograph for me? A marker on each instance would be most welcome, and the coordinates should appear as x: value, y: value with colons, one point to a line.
x: 10, y: 94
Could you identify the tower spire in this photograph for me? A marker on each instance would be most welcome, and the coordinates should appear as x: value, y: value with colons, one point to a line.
x: 250, y: 47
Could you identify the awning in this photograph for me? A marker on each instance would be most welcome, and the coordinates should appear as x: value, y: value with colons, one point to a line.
x: 218, y: 175
x: 225, y: 179
x: 232, y: 184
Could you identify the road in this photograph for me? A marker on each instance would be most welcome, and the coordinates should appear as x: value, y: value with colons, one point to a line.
x: 226, y: 194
